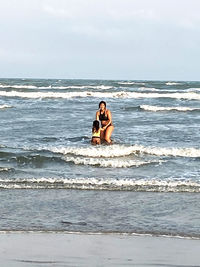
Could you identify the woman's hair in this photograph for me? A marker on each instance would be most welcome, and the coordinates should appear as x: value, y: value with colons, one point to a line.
x: 102, y: 102
x: 95, y: 127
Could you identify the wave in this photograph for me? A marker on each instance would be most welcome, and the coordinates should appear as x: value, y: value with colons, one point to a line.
x: 193, y: 90
x: 149, y: 89
x: 18, y: 86
x: 96, y: 152
x: 110, y: 156
x: 102, y: 87
x: 110, y: 163
x: 174, y: 152
x: 173, y: 83
x: 121, y: 94
x: 5, y: 106
x: 130, y: 83
x: 123, y: 150
x: 5, y: 169
x: 157, y: 108
x: 137, y: 185
x: 36, y: 160
x: 164, y: 234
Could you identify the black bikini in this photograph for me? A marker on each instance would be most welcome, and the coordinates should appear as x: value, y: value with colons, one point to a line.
x: 103, y: 117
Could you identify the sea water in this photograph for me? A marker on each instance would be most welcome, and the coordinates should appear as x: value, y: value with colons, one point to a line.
x: 53, y: 179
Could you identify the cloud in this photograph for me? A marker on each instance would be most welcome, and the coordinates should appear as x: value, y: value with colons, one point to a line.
x: 144, y: 36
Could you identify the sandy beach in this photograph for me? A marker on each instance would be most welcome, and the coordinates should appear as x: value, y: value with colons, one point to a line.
x: 58, y: 249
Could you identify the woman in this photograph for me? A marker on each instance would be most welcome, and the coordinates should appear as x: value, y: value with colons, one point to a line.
x: 104, y: 115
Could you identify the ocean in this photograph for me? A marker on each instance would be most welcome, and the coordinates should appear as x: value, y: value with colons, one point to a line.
x: 53, y: 180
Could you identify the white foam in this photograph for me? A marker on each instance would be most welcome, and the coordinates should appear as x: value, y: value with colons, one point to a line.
x: 157, y: 108
x: 149, y: 89
x: 175, y: 152
x: 96, y: 151
x: 18, y: 86
x: 2, y: 169
x: 101, y: 87
x: 148, y: 185
x: 121, y: 94
x: 122, y: 151
x: 173, y: 83
x: 5, y: 106
x: 193, y: 90
x: 130, y: 83
x: 114, y: 163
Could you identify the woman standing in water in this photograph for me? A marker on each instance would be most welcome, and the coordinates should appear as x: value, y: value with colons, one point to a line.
x: 105, y: 116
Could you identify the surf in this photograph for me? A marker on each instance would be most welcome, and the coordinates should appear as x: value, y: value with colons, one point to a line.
x: 88, y: 94
x: 110, y: 184
x: 117, y: 150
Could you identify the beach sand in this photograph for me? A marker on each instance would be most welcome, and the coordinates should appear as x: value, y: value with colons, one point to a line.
x: 61, y: 249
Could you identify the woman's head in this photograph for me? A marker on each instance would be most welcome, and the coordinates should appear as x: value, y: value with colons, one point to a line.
x: 96, y: 125
x: 102, y: 105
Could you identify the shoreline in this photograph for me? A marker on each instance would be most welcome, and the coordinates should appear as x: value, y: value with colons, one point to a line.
x: 90, y: 249
x: 125, y: 234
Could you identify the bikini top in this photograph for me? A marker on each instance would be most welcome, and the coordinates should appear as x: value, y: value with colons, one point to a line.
x: 103, y: 117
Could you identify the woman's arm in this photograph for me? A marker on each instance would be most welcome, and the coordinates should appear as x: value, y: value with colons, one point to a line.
x: 97, y: 115
x: 109, y: 119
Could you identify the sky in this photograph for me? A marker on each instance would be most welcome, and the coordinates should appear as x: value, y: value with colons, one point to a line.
x: 100, y: 39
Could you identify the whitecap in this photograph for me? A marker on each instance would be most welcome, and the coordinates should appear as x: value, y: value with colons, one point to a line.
x: 96, y: 151
x: 115, y: 151
x: 130, y: 83
x: 173, y: 83
x: 18, y: 86
x: 121, y: 94
x: 157, y: 108
x: 84, y: 183
x: 163, y: 151
x: 101, y: 87
x: 5, y: 106
x: 148, y: 89
x: 106, y: 163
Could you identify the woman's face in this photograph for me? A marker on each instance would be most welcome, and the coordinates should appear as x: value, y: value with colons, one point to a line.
x: 102, y: 106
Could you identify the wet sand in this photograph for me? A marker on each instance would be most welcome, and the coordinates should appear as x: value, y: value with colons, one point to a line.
x: 61, y: 249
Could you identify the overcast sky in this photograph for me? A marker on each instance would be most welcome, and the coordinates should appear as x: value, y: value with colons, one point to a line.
x: 102, y: 39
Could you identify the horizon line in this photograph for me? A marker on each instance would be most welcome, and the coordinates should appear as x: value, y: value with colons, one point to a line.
x: 98, y: 79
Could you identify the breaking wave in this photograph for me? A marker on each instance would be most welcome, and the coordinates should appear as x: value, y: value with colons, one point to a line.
x: 122, y: 151
x: 106, y: 162
x: 101, y: 87
x: 96, y: 152
x: 5, y: 169
x: 15, y: 86
x: 5, y: 106
x: 149, y: 89
x: 137, y: 185
x: 130, y: 83
x: 156, y: 108
x: 121, y: 94
x: 173, y: 83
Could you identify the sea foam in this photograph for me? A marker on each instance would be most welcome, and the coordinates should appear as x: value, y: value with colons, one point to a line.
x: 112, y: 184
x: 5, y: 106
x: 106, y: 162
x: 15, y: 86
x: 121, y: 94
x: 157, y: 108
x: 123, y: 150
x: 173, y: 83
